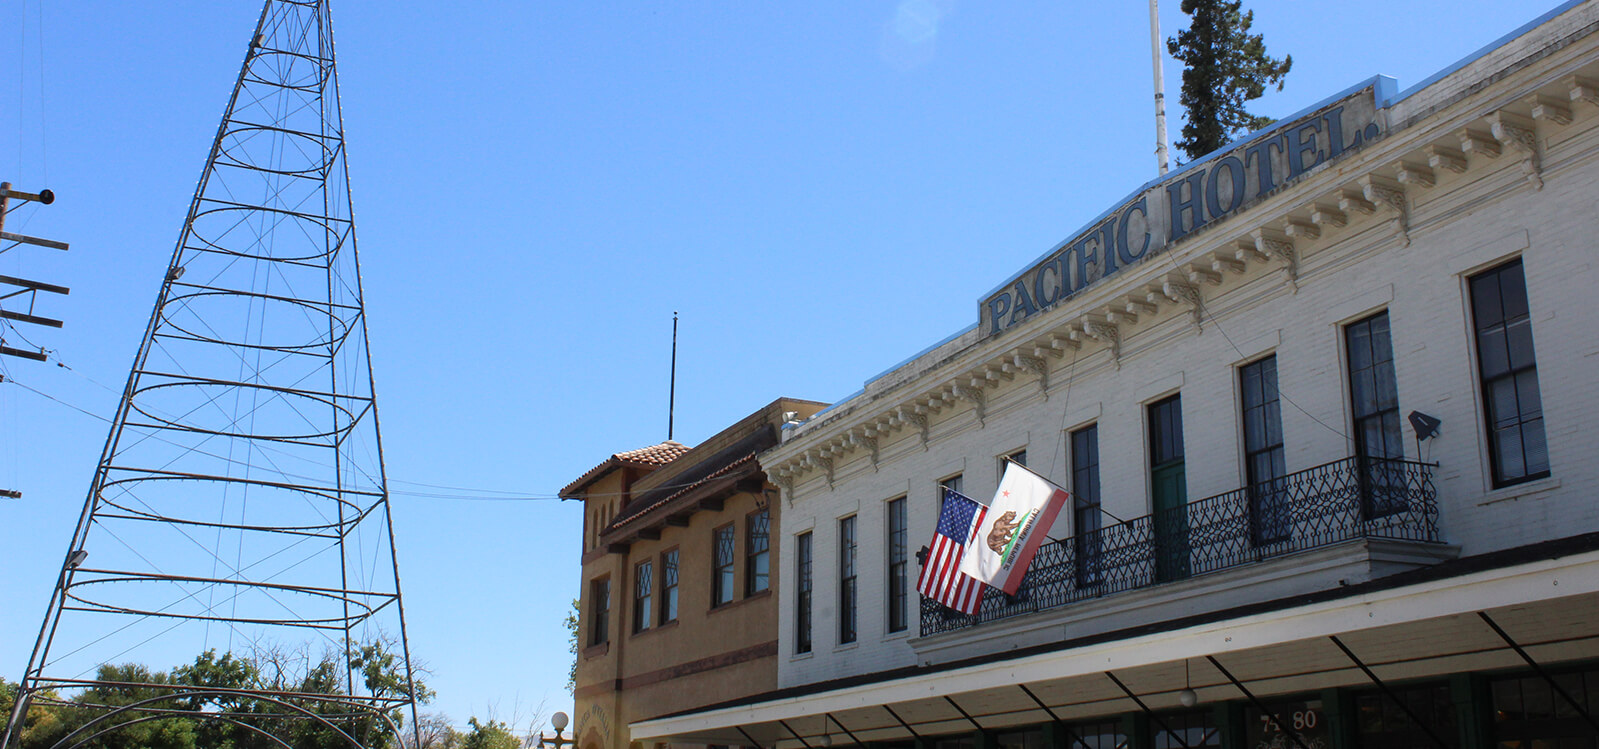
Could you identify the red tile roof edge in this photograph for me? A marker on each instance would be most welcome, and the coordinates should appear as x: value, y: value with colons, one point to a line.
x: 652, y: 456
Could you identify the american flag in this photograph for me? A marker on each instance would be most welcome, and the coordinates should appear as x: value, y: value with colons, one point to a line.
x: 941, y: 578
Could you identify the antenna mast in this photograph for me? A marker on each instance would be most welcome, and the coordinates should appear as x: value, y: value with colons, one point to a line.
x: 240, y: 503
x: 671, y: 395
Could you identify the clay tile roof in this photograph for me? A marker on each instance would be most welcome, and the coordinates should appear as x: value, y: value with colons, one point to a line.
x: 649, y: 503
x: 652, y: 457
x: 655, y: 455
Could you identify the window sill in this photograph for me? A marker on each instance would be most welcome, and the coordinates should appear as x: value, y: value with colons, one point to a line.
x: 763, y: 595
x: 847, y: 646
x: 903, y: 634
x: 805, y: 656
x: 595, y: 651
x: 669, y: 625
x: 1519, y: 491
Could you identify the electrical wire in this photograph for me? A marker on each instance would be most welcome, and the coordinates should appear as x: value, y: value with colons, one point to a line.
x: 475, y: 494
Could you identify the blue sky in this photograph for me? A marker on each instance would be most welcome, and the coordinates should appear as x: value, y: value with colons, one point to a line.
x: 820, y: 188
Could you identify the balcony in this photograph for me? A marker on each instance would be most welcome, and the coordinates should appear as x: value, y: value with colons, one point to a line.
x: 1325, y: 506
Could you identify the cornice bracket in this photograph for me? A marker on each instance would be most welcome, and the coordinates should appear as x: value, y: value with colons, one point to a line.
x: 1518, y: 133
x: 1108, y: 334
x: 1380, y: 191
x: 1185, y: 293
x: 1281, y: 250
x: 1035, y: 365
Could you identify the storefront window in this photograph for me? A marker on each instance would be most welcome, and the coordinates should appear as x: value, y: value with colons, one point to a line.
x: 1384, y: 725
x: 1271, y: 730
x: 1529, y: 713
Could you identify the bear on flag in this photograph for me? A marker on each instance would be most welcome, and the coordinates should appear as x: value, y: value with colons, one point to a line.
x: 1015, y: 525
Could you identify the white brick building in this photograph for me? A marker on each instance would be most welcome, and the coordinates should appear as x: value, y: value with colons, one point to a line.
x: 1242, y: 345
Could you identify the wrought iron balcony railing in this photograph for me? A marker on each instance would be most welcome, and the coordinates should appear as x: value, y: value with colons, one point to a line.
x: 1347, y: 499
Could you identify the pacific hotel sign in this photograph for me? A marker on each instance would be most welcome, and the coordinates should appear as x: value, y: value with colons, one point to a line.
x: 1204, y: 192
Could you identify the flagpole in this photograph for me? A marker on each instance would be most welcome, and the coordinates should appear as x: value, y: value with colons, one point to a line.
x: 1160, y: 85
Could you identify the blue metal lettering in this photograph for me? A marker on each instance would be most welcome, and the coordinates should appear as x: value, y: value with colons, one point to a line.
x: 1261, y: 153
x: 1193, y: 204
x: 1024, y: 306
x: 1084, y: 259
x: 1335, y: 132
x: 997, y: 307
x: 1233, y: 166
x: 1301, y: 146
x: 1044, y: 300
x: 1122, y: 248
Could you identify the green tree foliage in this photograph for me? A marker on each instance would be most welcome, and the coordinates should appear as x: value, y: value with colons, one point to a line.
x: 1225, y: 68
x: 490, y: 735
x: 215, y: 713
x: 572, y: 641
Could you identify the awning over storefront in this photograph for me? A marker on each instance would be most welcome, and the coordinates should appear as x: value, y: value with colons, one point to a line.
x: 1441, y: 623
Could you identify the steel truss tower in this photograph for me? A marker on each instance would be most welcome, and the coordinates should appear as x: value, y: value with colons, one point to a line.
x: 240, y: 504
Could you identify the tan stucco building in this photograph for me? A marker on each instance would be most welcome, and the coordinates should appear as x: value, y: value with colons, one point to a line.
x: 678, y: 607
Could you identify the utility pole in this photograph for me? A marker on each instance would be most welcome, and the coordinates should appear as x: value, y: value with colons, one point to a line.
x: 27, y: 291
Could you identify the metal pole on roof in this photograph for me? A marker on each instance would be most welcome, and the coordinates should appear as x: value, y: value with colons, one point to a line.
x: 1160, y: 85
x: 671, y: 395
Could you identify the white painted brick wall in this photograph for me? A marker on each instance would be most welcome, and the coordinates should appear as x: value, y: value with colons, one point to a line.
x: 1465, y: 224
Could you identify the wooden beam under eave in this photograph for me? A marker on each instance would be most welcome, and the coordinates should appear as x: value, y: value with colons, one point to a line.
x: 617, y: 548
x: 751, y: 485
x: 679, y: 520
x: 714, y: 504
x: 651, y: 534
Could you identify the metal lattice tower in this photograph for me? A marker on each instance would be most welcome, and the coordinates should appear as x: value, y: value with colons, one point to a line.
x: 240, y: 503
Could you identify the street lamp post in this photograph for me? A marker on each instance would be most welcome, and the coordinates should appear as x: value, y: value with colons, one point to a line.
x: 558, y: 722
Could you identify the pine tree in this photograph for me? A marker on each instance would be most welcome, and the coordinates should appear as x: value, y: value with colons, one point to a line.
x: 1226, y: 67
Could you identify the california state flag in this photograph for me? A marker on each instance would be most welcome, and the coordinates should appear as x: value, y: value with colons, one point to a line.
x: 1014, y: 527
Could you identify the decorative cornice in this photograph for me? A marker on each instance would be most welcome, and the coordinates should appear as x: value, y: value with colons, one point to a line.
x: 1474, y: 143
x: 1328, y: 217
x: 1355, y: 202
x: 1446, y: 158
x: 1106, y: 333
x: 868, y: 440
x: 1381, y: 191
x: 1301, y: 229
x: 1038, y: 367
x: 1185, y: 293
x: 918, y: 418
x: 1517, y: 132
x: 1281, y: 250
x: 1385, y: 179
x: 1583, y: 89
x: 978, y: 398
x: 1416, y: 174
x: 1549, y: 109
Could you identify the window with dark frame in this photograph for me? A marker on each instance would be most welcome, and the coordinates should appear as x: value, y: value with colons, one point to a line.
x: 669, y: 586
x: 643, y: 584
x: 1019, y: 458
x: 1512, y: 405
x: 1264, y: 461
x: 953, y: 482
x: 898, y: 566
x: 722, y: 566
x: 1086, y: 518
x: 847, y: 629
x: 802, y: 593
x: 1374, y: 406
x: 1168, y: 488
x: 599, y: 611
x: 757, y: 552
